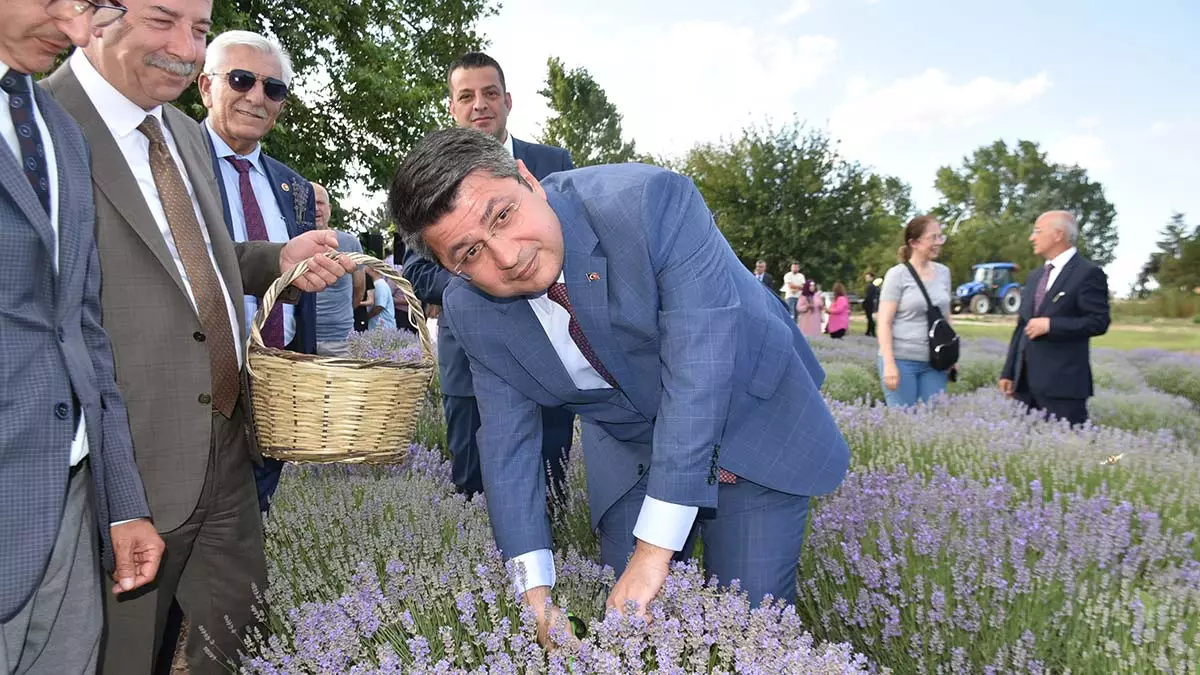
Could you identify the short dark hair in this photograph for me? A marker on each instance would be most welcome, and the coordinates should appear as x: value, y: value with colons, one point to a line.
x: 761, y: 262
x: 426, y: 184
x: 476, y: 60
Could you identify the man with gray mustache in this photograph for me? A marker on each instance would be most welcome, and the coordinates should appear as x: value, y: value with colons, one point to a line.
x: 172, y: 298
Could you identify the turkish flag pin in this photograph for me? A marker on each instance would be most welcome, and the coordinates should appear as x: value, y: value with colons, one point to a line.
x: 593, y: 276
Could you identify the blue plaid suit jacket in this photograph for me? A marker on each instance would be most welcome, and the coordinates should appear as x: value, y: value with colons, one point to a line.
x: 714, y: 372
x: 54, y: 352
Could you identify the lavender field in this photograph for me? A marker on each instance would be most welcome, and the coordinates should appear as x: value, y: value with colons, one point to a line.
x: 968, y: 538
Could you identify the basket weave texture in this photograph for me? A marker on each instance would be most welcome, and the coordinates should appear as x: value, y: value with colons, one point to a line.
x: 310, y: 408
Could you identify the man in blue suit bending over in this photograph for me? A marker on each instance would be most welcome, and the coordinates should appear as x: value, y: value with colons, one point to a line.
x: 479, y: 100
x: 245, y: 86
x: 610, y: 291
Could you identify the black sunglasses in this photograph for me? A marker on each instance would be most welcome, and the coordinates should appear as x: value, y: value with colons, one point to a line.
x: 243, y: 81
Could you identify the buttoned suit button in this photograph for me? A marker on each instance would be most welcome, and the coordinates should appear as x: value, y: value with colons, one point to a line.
x: 641, y: 469
x: 198, y: 336
x: 62, y: 411
x: 205, y: 399
x: 62, y: 334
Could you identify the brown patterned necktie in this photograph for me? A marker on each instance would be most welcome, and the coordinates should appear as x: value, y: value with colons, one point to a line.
x: 201, y: 274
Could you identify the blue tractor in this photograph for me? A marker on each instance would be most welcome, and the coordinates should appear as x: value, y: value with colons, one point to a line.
x: 993, y: 287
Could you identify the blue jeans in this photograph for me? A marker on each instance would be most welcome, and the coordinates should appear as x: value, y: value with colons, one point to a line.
x: 791, y: 303
x: 918, y: 383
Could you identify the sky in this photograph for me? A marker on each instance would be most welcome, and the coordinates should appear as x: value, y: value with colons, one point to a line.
x: 907, y: 86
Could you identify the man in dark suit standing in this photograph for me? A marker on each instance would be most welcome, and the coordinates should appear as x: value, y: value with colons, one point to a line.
x: 172, y: 299
x: 1048, y: 366
x: 66, y: 461
x: 870, y: 302
x: 480, y: 100
x: 244, y: 87
x: 761, y: 273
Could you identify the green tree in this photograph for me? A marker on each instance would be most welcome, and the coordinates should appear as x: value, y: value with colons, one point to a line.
x: 786, y: 195
x: 1175, y: 266
x: 370, y: 78
x: 996, y: 195
x: 584, y: 121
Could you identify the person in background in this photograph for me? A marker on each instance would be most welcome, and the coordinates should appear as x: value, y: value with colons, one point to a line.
x: 1049, y: 364
x: 335, y: 305
x: 871, y: 301
x: 761, y: 273
x: 383, y: 314
x: 903, y: 326
x: 810, y: 307
x: 839, y: 313
x: 793, y: 282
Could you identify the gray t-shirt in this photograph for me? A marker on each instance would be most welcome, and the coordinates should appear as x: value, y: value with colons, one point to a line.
x: 335, y: 304
x: 910, y: 330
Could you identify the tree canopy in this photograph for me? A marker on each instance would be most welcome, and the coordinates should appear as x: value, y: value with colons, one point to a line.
x: 1175, y: 266
x: 370, y: 79
x: 991, y: 202
x: 584, y: 121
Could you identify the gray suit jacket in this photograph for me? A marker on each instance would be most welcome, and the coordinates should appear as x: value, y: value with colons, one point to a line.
x: 161, y: 358
x: 55, y: 356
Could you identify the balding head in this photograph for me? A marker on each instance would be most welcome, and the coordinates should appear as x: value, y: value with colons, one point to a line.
x: 324, y: 208
x: 1053, y: 233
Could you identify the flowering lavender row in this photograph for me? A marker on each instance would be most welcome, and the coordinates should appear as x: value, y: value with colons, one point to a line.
x: 386, y: 571
x: 931, y: 574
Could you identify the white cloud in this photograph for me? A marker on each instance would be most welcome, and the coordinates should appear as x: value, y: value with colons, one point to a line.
x: 798, y: 8
x: 927, y: 102
x: 1086, y: 150
x: 1089, y: 122
x: 676, y: 84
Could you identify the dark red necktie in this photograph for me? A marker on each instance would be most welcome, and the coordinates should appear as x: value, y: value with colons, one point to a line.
x: 558, y: 293
x: 19, y: 88
x: 1043, y: 284
x: 256, y: 230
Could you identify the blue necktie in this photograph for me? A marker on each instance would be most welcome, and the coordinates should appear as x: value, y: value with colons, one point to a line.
x: 33, y: 153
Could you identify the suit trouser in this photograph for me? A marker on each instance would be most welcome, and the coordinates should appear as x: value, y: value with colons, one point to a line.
x: 754, y: 535
x: 58, y: 629
x: 211, y: 565
x: 1073, y: 410
x: 462, y: 425
x: 870, y: 324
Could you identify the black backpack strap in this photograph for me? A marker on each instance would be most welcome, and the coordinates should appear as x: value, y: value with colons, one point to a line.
x: 917, y: 278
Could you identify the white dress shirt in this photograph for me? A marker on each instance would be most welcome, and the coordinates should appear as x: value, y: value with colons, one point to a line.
x: 122, y: 117
x: 508, y: 143
x: 659, y: 523
x: 264, y: 193
x: 1060, y: 261
x: 8, y: 129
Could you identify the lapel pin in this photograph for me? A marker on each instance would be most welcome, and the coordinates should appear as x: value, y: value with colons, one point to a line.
x: 285, y: 186
x: 1060, y: 294
x: 593, y: 276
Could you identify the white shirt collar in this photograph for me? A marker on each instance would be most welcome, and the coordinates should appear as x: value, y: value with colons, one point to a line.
x: 508, y: 143
x: 223, y: 150
x: 120, y: 115
x: 1063, y: 258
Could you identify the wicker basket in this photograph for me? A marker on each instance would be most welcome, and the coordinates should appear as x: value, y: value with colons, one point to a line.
x: 309, y: 408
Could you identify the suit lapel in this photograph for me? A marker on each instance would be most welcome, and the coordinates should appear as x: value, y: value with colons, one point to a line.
x: 13, y: 181
x: 110, y: 172
x: 1059, y: 283
x: 521, y: 152
x: 216, y: 165
x: 287, y: 205
x: 69, y: 233
x: 527, y: 342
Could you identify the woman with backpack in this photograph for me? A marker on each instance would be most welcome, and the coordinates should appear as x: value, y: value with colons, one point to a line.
x: 918, y: 349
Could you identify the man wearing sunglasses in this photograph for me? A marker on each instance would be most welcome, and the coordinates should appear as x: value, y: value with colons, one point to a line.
x: 244, y: 87
x: 172, y: 300
x: 66, y: 461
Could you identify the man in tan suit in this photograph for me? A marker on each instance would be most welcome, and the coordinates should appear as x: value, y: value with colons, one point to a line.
x: 171, y: 279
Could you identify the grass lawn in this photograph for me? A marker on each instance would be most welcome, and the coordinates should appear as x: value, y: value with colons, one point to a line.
x: 1174, y: 336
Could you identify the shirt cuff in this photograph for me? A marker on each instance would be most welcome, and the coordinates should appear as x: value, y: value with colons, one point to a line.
x: 539, y: 570
x: 664, y: 524
x: 122, y: 522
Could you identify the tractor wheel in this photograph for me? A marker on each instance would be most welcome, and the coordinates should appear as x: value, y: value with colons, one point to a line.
x: 1011, y: 302
x: 981, y: 304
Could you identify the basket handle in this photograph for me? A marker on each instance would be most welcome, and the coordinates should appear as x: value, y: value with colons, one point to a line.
x: 416, y: 315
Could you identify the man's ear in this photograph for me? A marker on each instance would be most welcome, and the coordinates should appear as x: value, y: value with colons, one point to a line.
x: 205, y: 85
x: 534, y: 185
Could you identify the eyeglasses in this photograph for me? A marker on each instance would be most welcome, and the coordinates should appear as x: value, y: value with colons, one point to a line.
x: 243, y: 81
x: 104, y: 13
x: 470, y: 259
x: 934, y: 238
